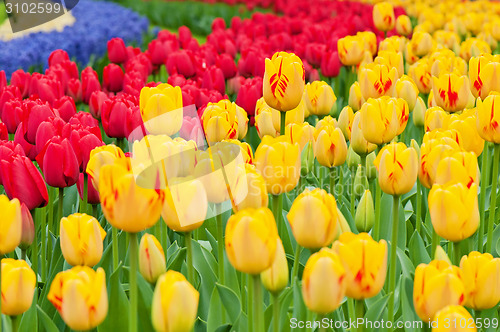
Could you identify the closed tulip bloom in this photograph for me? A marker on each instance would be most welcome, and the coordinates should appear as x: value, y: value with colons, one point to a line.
x: 377, y: 80
x: 28, y: 228
x: 18, y: 286
x: 436, y: 118
x: 421, y: 43
x: 185, y: 204
x: 383, y: 16
x: 437, y: 285
x: 379, y: 120
x: 403, y: 25
x: 473, y: 47
x: 419, y: 112
x: 346, y: 118
x: 81, y: 239
x: 454, y: 210
x: 267, y: 119
x: 393, y: 43
x: 284, y: 80
x: 365, y: 261
x: 175, y: 303
x: 351, y: 50
x: 126, y: 205
x: 104, y: 155
x: 220, y: 121
x: 251, y: 236
x: 420, y: 72
x: 454, y: 318
x: 300, y: 133
x: 370, y: 40
x: 481, y: 276
x: 391, y: 59
x: 152, y: 262
x: 278, y: 161
x: 161, y: 109
x: 313, y: 218
x: 365, y: 213
x: 59, y: 163
x: 356, y: 99
x: 465, y: 124
x: 10, y: 224
x: 484, y: 74
x: 330, y: 147
x: 460, y: 166
x: 407, y: 90
x: 324, y: 281
x: 488, y: 118
x: 319, y: 98
x: 80, y: 296
x: 275, y: 278
x: 451, y: 91
x: 250, y: 189
x: 358, y: 142
x: 397, y: 167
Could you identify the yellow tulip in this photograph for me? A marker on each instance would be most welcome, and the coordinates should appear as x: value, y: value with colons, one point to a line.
x: 454, y: 210
x: 397, y: 166
x: 275, y: 278
x: 391, y: 59
x: 370, y: 40
x: 431, y: 153
x: 161, y: 109
x: 187, y: 155
x: 278, y: 161
x: 436, y: 118
x: 377, y: 80
x: 323, y: 282
x: 481, y: 275
x: 448, y: 39
x: 365, y: 262
x: 18, y: 286
x: 283, y: 82
x: 11, y: 224
x: 297, y: 114
x: 346, y: 118
x: 383, y: 16
x: 319, y: 98
x: 152, y: 262
x: 175, y: 303
x: 437, y: 285
x: 104, y: 155
x: 80, y: 296
x: 488, y: 118
x: 246, y: 150
x: 420, y: 72
x: 421, y: 43
x: 454, y: 318
x: 313, y: 218
x: 81, y: 239
x: 267, y: 120
x: 393, y: 43
x: 220, y: 121
x: 447, y: 63
x: 419, y: 112
x: 465, y: 124
x: 251, y: 239
x: 250, y: 189
x: 356, y: 99
x: 126, y: 205
x: 330, y: 147
x: 403, y: 25
x: 451, y: 91
x: 407, y: 90
x: 379, y: 120
x: 358, y: 142
x: 351, y: 50
x: 473, y: 47
x: 300, y: 133
x: 460, y: 166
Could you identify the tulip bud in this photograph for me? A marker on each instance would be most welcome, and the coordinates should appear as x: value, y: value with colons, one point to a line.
x: 365, y: 213
x: 353, y: 159
x: 351, y: 50
x: 18, y: 286
x: 461, y: 319
x: 10, y: 223
x: 441, y: 255
x: 383, y: 16
x: 358, y: 142
x: 28, y: 228
x: 415, y: 145
x: 342, y: 226
x: 403, y: 25
x: 319, y: 98
x: 356, y: 99
x: 371, y: 170
x: 419, y: 112
x: 406, y: 89
x: 421, y: 43
x: 330, y: 147
x: 152, y: 262
x: 175, y: 303
x: 345, y: 121
x: 275, y: 278
x: 307, y: 159
x: 360, y: 181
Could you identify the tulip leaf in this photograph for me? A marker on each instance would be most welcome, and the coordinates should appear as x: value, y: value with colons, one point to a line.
x: 418, y: 253
x: 29, y: 320
x: 205, y: 264
x: 118, y: 305
x: 287, y: 237
x: 214, y: 319
x: 406, y: 295
x: 299, y: 308
x: 406, y: 265
x: 230, y: 301
x: 232, y: 280
x: 145, y: 303
x: 176, y: 259
x: 376, y: 311
x: 286, y: 298
x: 47, y: 323
x: 488, y: 316
x: 224, y: 328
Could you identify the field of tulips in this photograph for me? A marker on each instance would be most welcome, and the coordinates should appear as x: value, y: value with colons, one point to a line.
x: 251, y: 166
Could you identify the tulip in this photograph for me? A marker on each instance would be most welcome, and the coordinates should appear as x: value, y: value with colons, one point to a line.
x: 393, y: 43
x: 300, y: 133
x: 403, y: 25
x: 126, y: 205
x: 175, y: 303
x: 117, y: 52
x: 161, y: 109
x: 370, y: 40
x: 437, y: 285
x: 213, y: 79
x: 103, y: 155
x: 350, y: 49
x: 397, y: 167
x: 420, y: 72
x: 383, y: 16
x: 185, y: 204
x: 365, y: 213
x: 419, y: 112
x: 483, y: 74
x: 454, y: 210
x: 251, y: 239
x: 421, y: 43
x: 90, y: 83
x: 324, y: 281
x: 391, y: 59
x: 267, y: 119
x: 313, y: 218
x: 283, y: 81
x: 453, y: 318
x: 220, y: 121
x: 11, y: 224
x: 356, y: 99
x: 80, y: 296
x: 319, y: 98
x: 152, y: 262
x: 28, y: 228
x: 330, y: 147
x: 436, y: 118
x: 81, y: 239
x: 431, y: 152
x: 376, y: 80
x: 465, y: 124
x: 358, y: 142
x: 458, y: 167
x: 275, y: 278
x: 112, y: 77
x: 451, y: 91
x: 246, y: 149
x: 488, y: 118
x: 379, y: 120
x: 330, y: 64
x: 120, y: 115
x: 346, y: 118
x: 251, y: 191
x: 365, y: 262
x: 59, y: 163
x: 407, y: 90
x: 18, y: 286
x: 473, y: 47
x: 278, y: 161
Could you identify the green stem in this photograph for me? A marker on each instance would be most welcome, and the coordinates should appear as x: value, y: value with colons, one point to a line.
x: 277, y: 207
x: 485, y: 169
x: 257, y: 289
x: 360, y: 312
x: 60, y: 209
x: 341, y: 182
x: 220, y: 243
x: 378, y: 202
x: 276, y: 312
x: 189, y: 248
x: 15, y: 323
x: 282, y: 123
x: 493, y: 194
x: 456, y: 253
x: 435, y: 242
x: 250, y: 304
x: 296, y: 263
x: 1, y: 321
x: 353, y: 176
x: 418, y: 222
x: 351, y: 311
x: 44, y: 245
x: 23, y: 254
x: 50, y: 222
x: 394, y: 246
x: 85, y: 193
x: 332, y: 180
x: 34, y: 248
x: 322, y: 328
x: 134, y: 251
x: 94, y: 211
x: 114, y: 234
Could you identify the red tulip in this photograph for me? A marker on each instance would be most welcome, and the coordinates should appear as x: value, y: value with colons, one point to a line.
x: 7, y: 93
x: 63, y: 72
x: 181, y: 62
x: 37, y: 113
x: 49, y: 128
x: 22, y: 180
x: 112, y: 76
x: 28, y: 228
x: 90, y: 83
x: 140, y: 63
x: 191, y: 130
x: 208, y: 96
x: 83, y: 140
x: 218, y: 24
x: 117, y: 52
x: 4, y: 134
x: 19, y: 138
x: 314, y: 53
x: 133, y: 82
x: 97, y: 98
x: 22, y: 80
x: 213, y: 79
x: 86, y: 120
x: 226, y: 63
x: 184, y: 35
x: 57, y: 57
x: 66, y: 107
x: 59, y: 163
x: 158, y: 51
x: 251, y: 63
x: 249, y: 93
x: 7, y: 149
x: 92, y: 193
x: 47, y: 88
x: 176, y: 80
x: 75, y: 89
x: 3, y: 80
x: 13, y: 113
x: 330, y: 64
x: 118, y: 116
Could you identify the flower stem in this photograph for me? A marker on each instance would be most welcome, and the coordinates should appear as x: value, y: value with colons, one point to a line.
x: 435, y: 242
x: 60, y: 209
x: 351, y: 311
x: 44, y: 244
x: 85, y: 193
x: 378, y: 201
x: 1, y: 257
x: 282, y: 123
x: 332, y: 180
x: 189, y: 248
x: 485, y: 169
x: 94, y: 211
x: 277, y: 206
x: 456, y: 253
x: 353, y: 176
x: 394, y: 246
x: 133, y: 282
x: 220, y: 242
x: 257, y: 289
x: 296, y: 263
x: 15, y: 323
x: 250, y: 304
x: 114, y: 234
x: 276, y: 312
x: 34, y: 248
x: 360, y: 312
x: 418, y: 222
x: 493, y: 193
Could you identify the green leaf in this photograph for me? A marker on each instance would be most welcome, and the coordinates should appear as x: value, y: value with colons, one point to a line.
x: 230, y: 300
x: 214, y: 319
x: 299, y: 307
x: 205, y: 265
x: 406, y: 265
x: 224, y: 328
x: 418, y: 253
x: 47, y: 323
x: 375, y: 312
x: 119, y: 307
x: 406, y: 295
x: 29, y: 320
x: 145, y: 303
